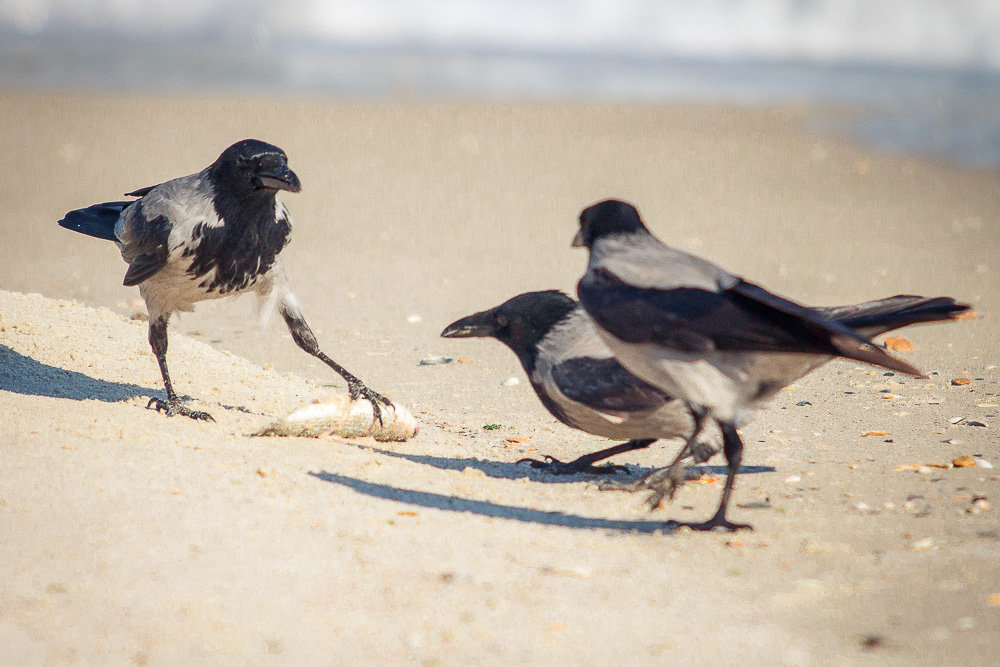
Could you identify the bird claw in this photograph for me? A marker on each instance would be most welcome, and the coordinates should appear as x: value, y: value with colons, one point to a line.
x: 663, y: 482
x: 359, y: 390
x: 554, y: 466
x: 173, y: 406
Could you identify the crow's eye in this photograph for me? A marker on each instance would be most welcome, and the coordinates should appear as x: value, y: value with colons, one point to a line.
x: 500, y: 321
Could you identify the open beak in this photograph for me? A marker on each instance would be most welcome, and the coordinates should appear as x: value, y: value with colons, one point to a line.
x: 279, y: 178
x: 578, y: 241
x: 478, y: 325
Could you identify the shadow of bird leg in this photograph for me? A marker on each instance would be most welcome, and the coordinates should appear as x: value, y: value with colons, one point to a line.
x: 585, y: 464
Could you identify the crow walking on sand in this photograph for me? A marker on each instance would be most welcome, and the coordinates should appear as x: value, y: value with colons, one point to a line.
x: 721, y: 344
x: 209, y: 235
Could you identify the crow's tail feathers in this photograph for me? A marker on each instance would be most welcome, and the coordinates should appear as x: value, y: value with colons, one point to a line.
x: 872, y: 318
x: 98, y: 220
x: 877, y: 317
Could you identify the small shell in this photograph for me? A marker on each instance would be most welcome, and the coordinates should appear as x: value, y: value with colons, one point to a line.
x: 964, y: 462
x: 349, y: 419
x: 898, y: 344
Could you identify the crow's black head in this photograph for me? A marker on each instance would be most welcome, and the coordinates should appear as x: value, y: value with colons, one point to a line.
x: 610, y: 216
x: 252, y: 166
x: 519, y: 323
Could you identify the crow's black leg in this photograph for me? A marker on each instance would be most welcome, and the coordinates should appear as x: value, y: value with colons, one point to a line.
x: 304, y: 338
x: 733, y: 449
x: 172, y: 406
x: 586, y: 463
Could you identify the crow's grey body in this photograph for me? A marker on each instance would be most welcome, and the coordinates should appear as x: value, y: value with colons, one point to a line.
x: 576, y: 372
x: 209, y: 235
x: 159, y: 238
x: 701, y: 333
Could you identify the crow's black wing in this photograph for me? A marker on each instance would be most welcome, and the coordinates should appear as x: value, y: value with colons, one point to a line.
x: 144, y: 243
x: 142, y: 192
x: 603, y: 384
x: 742, y: 318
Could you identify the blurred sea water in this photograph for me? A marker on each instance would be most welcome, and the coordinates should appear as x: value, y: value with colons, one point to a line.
x: 916, y: 76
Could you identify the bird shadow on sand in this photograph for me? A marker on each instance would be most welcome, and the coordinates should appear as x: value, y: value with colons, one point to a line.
x: 23, y: 375
x: 488, y: 509
x: 508, y: 470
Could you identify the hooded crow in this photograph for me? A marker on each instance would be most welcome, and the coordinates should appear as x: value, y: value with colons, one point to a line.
x: 209, y: 235
x: 579, y: 381
x: 721, y: 344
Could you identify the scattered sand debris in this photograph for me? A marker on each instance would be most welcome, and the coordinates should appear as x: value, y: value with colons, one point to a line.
x: 899, y: 344
x: 339, y: 415
x: 923, y: 544
x: 571, y: 571
x: 958, y: 462
x: 959, y: 382
x: 869, y: 434
x: 517, y: 439
x: 705, y: 479
x: 434, y: 361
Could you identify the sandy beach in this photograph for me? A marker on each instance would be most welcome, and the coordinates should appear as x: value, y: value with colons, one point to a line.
x: 129, y: 537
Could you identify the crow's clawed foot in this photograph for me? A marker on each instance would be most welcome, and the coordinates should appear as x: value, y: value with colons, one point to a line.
x: 663, y: 482
x: 716, y: 522
x: 554, y: 466
x: 173, y: 406
x: 702, y: 451
x: 359, y: 390
x: 673, y: 477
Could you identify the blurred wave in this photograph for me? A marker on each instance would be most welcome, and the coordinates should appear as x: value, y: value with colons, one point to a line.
x: 925, y: 73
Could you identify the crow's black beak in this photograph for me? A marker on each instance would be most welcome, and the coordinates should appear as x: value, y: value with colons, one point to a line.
x: 279, y: 178
x: 478, y: 325
x: 578, y: 241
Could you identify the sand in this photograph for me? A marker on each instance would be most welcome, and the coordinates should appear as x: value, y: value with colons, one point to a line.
x: 126, y: 536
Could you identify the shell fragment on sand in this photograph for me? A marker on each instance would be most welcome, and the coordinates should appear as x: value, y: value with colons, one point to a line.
x: 339, y: 415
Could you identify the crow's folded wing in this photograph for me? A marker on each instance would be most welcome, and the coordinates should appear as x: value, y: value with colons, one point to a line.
x: 144, y: 240
x: 603, y: 384
x: 743, y: 317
